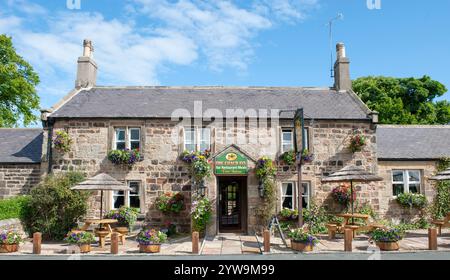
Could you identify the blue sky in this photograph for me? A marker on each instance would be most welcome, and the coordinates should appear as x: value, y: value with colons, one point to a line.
x: 241, y: 43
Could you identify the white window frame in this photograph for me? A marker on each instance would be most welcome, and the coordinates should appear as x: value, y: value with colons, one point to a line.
x: 283, y: 143
x: 295, y: 194
x: 134, y: 140
x: 128, y: 139
x: 116, y: 141
x: 198, y: 138
x: 406, y: 182
x: 126, y: 195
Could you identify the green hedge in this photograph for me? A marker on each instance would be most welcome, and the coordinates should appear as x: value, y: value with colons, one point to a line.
x: 12, y: 208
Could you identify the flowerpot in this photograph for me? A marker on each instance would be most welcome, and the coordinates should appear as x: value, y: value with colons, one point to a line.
x: 84, y: 248
x: 388, y: 246
x: 301, y: 247
x: 9, y: 248
x: 152, y: 248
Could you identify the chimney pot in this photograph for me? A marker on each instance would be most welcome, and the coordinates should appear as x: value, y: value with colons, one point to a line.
x: 340, y: 49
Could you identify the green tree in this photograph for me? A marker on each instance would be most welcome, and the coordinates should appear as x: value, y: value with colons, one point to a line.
x: 18, y: 97
x: 404, y: 100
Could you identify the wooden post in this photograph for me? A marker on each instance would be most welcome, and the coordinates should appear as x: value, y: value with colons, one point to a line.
x: 432, y: 239
x: 115, y: 243
x: 348, y: 237
x: 37, y: 240
x: 266, y: 241
x: 195, y: 242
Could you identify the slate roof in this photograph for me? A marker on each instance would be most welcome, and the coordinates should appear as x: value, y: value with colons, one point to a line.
x: 413, y: 142
x: 20, y: 145
x: 160, y: 102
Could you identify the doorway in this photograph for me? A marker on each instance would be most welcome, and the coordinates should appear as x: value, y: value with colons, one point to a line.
x: 232, y: 204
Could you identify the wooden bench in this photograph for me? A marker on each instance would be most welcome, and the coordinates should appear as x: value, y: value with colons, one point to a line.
x: 332, y: 230
x: 123, y: 232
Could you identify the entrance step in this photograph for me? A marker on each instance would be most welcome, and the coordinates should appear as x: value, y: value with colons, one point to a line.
x: 231, y: 244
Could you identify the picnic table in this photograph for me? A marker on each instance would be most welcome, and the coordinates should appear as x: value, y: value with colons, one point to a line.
x: 104, y: 231
x: 349, y: 216
x: 334, y: 228
x: 442, y: 223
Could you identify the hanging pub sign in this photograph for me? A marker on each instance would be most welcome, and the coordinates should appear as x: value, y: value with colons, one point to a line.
x: 231, y: 163
x: 298, y: 131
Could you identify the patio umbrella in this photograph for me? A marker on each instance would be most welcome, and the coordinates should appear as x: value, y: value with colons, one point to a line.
x: 101, y: 182
x: 442, y: 176
x: 352, y: 174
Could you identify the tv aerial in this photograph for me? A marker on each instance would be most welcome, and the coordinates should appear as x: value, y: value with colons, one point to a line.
x: 330, y: 23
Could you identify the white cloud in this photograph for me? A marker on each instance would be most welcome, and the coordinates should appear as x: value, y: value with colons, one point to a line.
x: 177, y: 33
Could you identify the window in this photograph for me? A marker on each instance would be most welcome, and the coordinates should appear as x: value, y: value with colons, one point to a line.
x: 191, y: 135
x: 287, y: 141
x: 135, y: 138
x: 406, y: 181
x: 287, y: 195
x: 133, y: 135
x: 120, y: 139
x: 130, y: 198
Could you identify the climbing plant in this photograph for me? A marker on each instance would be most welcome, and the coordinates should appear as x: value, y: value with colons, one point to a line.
x: 441, y: 203
x: 265, y: 171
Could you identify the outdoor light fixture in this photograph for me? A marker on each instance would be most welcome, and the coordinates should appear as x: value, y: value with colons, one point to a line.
x: 202, y: 188
x: 261, y: 189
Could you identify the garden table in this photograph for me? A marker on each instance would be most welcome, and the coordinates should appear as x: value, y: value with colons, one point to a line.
x: 103, y: 223
x: 349, y: 216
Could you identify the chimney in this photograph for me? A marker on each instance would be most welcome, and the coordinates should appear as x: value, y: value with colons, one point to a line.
x: 342, y: 79
x: 87, y: 68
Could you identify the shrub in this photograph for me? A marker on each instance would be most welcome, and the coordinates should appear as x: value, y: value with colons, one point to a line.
x: 12, y: 208
x: 299, y: 235
x: 53, y: 208
x: 150, y: 237
x: 126, y: 216
x: 316, y: 218
x: 169, y: 203
x: 201, y: 212
x: 387, y: 235
x: 441, y: 202
x: 10, y: 238
x: 80, y: 238
x: 412, y: 200
x: 124, y: 157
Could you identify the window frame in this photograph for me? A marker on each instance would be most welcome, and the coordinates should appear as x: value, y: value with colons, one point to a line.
x: 406, y: 182
x: 295, y: 192
x: 116, y: 141
x: 126, y: 195
x: 128, y: 139
x: 134, y: 140
x: 198, y: 138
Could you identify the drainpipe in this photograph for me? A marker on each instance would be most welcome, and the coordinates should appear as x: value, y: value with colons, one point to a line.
x: 50, y: 123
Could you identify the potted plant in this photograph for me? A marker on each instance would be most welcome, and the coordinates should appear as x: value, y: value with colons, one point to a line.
x: 288, y: 215
x: 170, y: 203
x: 126, y: 216
x: 9, y: 242
x: 62, y: 141
x: 307, y: 157
x: 357, y: 142
x: 288, y: 158
x: 343, y: 195
x: 302, y: 241
x: 150, y: 241
x: 201, y: 212
x: 124, y: 157
x: 411, y: 200
x: 387, y: 239
x: 82, y: 239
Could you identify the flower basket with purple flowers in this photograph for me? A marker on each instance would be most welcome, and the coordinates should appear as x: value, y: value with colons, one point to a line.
x: 150, y: 241
x: 9, y: 242
x: 387, y: 239
x: 302, y: 240
x: 343, y: 195
x: 126, y: 216
x: 307, y: 157
x: 62, y: 141
x: 124, y: 157
x: 82, y: 239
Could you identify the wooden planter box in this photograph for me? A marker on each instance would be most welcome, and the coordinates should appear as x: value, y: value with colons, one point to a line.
x: 9, y: 248
x: 84, y: 248
x: 153, y: 248
x: 388, y: 246
x: 301, y: 247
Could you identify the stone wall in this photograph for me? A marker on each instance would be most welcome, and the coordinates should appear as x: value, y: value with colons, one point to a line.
x: 18, y: 179
x: 389, y: 207
x: 160, y: 171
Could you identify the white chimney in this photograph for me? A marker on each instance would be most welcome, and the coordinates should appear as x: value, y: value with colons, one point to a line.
x: 87, y: 68
x: 342, y: 79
